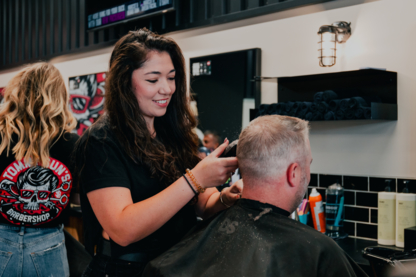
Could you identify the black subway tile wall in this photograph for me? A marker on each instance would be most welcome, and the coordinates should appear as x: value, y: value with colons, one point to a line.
x: 357, y: 214
x: 367, y: 230
x: 411, y: 185
x: 349, y: 197
x: 360, y: 199
x: 327, y: 180
x: 356, y: 183
x: 349, y: 228
x: 367, y: 199
x: 314, y: 180
x: 374, y: 215
x: 380, y: 184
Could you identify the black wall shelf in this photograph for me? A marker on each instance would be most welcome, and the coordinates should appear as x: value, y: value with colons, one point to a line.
x: 377, y: 87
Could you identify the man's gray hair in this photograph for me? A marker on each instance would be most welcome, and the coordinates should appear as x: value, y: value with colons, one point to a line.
x: 269, y: 144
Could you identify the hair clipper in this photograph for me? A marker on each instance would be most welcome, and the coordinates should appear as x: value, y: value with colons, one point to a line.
x: 230, y: 150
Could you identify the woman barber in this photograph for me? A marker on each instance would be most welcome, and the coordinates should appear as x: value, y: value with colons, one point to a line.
x: 35, y: 180
x: 140, y: 176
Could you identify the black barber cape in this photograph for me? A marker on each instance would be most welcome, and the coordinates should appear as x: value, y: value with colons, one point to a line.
x: 254, y: 239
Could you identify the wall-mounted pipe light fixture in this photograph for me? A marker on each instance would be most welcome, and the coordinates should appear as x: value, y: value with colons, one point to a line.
x: 329, y: 35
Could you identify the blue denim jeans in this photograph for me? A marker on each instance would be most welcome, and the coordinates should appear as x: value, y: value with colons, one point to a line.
x: 32, y: 252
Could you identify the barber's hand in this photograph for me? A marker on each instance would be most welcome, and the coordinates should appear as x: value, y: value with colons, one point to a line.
x: 214, y: 171
x: 233, y: 193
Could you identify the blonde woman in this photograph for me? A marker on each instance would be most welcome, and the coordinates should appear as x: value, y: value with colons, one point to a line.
x: 36, y: 177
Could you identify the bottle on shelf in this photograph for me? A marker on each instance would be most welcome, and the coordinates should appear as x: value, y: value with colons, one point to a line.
x: 317, y: 210
x: 405, y: 213
x: 386, y: 234
x: 334, y: 211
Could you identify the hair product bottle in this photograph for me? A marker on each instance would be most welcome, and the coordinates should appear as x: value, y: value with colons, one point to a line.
x: 334, y: 211
x: 405, y: 213
x: 317, y: 210
x: 386, y: 234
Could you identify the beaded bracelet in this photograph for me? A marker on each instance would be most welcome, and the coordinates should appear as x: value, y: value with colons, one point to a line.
x: 193, y: 180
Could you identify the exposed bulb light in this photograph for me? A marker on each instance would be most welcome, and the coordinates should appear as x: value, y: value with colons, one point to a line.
x: 329, y: 35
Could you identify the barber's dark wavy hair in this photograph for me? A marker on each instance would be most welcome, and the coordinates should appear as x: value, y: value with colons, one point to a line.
x: 175, y: 148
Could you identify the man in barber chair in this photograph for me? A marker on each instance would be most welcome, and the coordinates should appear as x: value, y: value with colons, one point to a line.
x: 256, y: 237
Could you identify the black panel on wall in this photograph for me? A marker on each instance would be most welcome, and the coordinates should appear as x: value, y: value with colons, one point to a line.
x: 32, y: 30
x: 218, y: 86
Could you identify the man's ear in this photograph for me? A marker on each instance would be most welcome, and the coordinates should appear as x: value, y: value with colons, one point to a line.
x: 293, y: 174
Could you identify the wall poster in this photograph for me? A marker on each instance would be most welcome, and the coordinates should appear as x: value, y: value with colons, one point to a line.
x: 86, y: 99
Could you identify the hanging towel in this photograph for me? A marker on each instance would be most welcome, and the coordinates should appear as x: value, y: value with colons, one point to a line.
x: 330, y: 116
x: 283, y: 108
x: 301, y: 113
x: 334, y: 105
x: 323, y: 107
x: 344, y: 104
x: 297, y: 105
x: 355, y: 102
x: 305, y: 106
x: 271, y: 109
x: 262, y: 110
x: 349, y: 114
x: 359, y: 112
x: 367, y: 112
x: 284, y: 112
x: 317, y: 116
x: 317, y: 97
x: 279, y: 108
x: 289, y: 105
x: 326, y: 96
x: 309, y: 116
x: 314, y: 107
x: 340, y: 115
x: 329, y: 95
x: 293, y: 111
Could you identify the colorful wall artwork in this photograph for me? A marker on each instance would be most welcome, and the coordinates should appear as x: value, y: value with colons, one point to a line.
x: 87, y: 99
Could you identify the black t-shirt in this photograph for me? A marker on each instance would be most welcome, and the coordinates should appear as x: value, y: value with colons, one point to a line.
x: 103, y: 163
x: 37, y: 196
x: 254, y: 239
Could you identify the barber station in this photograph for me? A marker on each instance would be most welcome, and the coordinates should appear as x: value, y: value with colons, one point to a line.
x: 207, y: 138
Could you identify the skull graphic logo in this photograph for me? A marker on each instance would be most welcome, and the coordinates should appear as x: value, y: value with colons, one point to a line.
x: 34, y: 195
x: 35, y: 187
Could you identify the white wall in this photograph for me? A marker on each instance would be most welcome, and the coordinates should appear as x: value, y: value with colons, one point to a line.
x: 382, y: 36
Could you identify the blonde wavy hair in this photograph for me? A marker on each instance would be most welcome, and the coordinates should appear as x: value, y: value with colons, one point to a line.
x: 36, y: 110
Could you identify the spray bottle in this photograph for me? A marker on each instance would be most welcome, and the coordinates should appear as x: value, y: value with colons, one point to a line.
x: 317, y: 210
